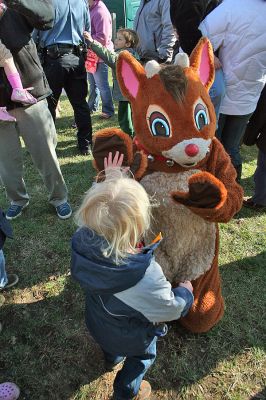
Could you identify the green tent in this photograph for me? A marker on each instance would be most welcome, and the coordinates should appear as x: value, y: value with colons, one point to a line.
x: 125, y: 11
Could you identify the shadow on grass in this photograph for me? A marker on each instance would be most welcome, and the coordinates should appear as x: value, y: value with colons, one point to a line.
x: 55, y: 357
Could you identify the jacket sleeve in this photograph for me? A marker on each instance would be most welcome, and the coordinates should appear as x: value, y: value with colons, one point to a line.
x: 153, y: 297
x: 39, y: 13
x: 109, y: 57
x: 216, y: 25
x: 168, y: 38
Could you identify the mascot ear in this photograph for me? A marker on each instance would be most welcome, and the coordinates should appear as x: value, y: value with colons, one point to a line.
x: 130, y: 74
x: 201, y: 60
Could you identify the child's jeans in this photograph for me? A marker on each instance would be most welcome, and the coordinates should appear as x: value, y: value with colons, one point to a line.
x: 3, y: 277
x: 128, y: 379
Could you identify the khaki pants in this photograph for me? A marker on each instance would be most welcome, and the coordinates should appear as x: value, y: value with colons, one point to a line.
x: 35, y: 125
x: 4, y: 54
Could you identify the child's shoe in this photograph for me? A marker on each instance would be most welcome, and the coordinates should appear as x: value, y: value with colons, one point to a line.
x: 23, y: 96
x: 5, y: 116
x: 9, y: 391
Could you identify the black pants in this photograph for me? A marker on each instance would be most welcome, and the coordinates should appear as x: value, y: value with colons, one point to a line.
x: 68, y: 72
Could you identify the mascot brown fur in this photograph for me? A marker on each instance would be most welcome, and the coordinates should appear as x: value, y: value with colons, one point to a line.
x: 178, y: 160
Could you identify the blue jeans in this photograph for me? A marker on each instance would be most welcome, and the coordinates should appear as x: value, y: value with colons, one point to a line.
x: 217, y: 91
x: 260, y: 180
x: 3, y: 277
x: 128, y: 379
x: 230, y: 131
x: 99, y: 87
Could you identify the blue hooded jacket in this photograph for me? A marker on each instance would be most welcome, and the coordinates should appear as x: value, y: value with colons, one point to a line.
x: 124, y: 303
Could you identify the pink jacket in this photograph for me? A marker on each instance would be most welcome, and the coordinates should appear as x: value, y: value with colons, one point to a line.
x: 101, y: 24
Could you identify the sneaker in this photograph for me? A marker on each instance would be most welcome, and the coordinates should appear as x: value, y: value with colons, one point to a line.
x: 85, y: 151
x: 5, y: 116
x: 109, y: 366
x: 15, y: 211
x: 64, y: 210
x: 9, y: 391
x: 23, y: 96
x: 12, y: 280
x: 254, y: 206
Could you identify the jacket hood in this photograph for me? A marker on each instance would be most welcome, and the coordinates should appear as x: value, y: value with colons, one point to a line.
x: 99, y: 274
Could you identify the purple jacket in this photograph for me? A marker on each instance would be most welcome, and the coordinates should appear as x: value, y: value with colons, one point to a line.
x: 101, y: 24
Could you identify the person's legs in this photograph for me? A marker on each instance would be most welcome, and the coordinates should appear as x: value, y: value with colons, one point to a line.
x: 128, y: 379
x: 231, y: 136
x: 3, y: 276
x: 217, y: 91
x: 37, y: 129
x: 101, y: 81
x: 55, y: 76
x: 125, y: 118
x: 77, y: 89
x: 260, y: 180
x: 11, y: 165
x: 94, y: 94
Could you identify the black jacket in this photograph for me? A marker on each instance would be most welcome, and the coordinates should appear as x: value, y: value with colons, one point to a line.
x: 5, y: 229
x: 16, y: 27
x: 256, y: 129
x: 186, y: 15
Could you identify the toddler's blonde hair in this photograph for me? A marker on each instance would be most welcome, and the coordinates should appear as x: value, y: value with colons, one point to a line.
x: 118, y: 209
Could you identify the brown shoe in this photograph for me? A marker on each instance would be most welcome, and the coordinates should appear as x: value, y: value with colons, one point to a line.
x: 254, y: 206
x: 144, y: 391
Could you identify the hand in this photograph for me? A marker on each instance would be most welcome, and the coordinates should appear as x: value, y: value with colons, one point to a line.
x: 88, y: 36
x: 204, y: 191
x: 217, y: 63
x: 187, y: 285
x: 113, y: 164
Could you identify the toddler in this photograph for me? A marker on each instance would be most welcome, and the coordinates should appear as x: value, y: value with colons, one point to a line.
x: 126, y: 39
x: 128, y: 298
x: 19, y: 94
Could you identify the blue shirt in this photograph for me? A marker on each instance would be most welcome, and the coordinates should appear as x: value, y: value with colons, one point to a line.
x: 72, y: 18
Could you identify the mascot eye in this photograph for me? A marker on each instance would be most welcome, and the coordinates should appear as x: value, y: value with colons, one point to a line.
x: 200, y: 115
x: 159, y: 125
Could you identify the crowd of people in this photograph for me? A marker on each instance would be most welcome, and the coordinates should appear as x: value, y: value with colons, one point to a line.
x: 43, y: 50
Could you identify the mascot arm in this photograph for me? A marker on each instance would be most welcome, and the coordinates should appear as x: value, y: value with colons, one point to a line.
x: 113, y: 140
x: 214, y: 195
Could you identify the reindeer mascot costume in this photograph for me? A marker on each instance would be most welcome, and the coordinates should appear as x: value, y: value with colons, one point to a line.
x: 178, y: 160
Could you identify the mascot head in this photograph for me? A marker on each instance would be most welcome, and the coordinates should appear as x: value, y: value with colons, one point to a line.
x: 173, y: 116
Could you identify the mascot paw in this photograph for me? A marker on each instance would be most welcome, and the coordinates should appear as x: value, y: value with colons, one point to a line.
x: 205, y: 191
x: 113, y: 140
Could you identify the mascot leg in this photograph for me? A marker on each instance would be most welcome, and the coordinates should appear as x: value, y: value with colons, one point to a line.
x: 208, y: 306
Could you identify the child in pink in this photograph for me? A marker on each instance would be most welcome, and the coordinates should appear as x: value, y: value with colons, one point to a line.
x: 19, y: 94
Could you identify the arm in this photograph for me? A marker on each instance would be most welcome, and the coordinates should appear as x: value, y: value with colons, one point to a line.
x: 39, y: 13
x: 168, y: 36
x: 109, y: 57
x: 154, y: 298
x: 214, y: 193
x: 216, y: 25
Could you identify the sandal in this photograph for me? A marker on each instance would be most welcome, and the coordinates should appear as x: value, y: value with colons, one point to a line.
x: 9, y: 391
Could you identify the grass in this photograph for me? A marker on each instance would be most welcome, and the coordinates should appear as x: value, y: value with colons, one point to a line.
x: 44, y: 345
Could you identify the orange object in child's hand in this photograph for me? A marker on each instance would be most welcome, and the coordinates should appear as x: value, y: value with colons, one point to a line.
x: 91, y: 61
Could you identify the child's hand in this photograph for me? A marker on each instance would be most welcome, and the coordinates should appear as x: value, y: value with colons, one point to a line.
x: 187, y: 285
x: 113, y: 164
x: 88, y: 36
x: 217, y: 63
